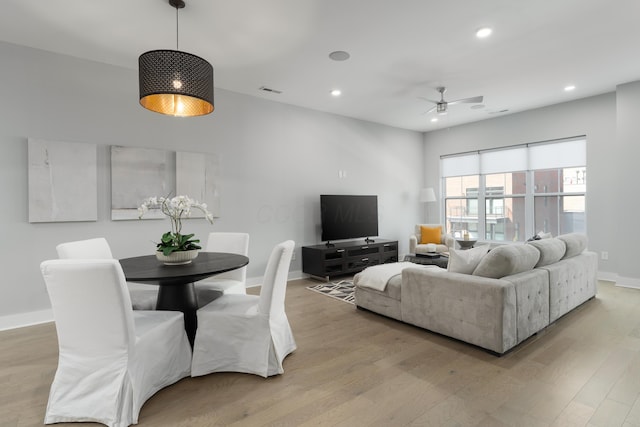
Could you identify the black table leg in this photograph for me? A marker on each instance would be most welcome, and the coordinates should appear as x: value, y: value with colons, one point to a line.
x: 181, y: 298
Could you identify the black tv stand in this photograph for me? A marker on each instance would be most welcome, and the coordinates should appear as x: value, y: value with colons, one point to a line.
x: 334, y: 259
x: 368, y: 240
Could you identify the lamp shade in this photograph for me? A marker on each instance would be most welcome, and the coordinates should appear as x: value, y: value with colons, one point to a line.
x: 175, y: 83
x: 427, y: 195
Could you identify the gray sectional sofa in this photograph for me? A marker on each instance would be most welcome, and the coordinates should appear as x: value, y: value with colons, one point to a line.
x: 513, y: 292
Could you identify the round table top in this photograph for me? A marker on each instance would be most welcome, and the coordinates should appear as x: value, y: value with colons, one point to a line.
x: 147, y: 269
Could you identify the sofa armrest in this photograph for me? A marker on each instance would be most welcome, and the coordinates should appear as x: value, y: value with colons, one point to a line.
x: 449, y: 240
x: 572, y: 281
x: 474, y: 309
x: 413, y: 241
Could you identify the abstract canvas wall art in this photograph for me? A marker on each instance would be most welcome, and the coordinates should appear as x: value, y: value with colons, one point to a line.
x: 198, y: 176
x: 138, y: 173
x: 62, y: 181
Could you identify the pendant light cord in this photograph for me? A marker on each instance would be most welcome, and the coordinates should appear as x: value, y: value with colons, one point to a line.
x: 177, y: 28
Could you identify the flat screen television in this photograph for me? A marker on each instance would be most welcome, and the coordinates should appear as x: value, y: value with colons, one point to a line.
x: 348, y: 217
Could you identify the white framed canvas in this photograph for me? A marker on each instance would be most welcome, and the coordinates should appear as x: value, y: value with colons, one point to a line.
x: 139, y: 173
x: 63, y: 181
x: 198, y: 176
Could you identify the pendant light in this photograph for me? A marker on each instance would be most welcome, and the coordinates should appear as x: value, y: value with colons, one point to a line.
x: 175, y: 83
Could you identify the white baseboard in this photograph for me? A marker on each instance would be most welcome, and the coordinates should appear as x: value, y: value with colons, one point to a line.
x: 628, y: 282
x: 607, y: 276
x: 293, y: 275
x: 21, y: 320
x: 623, y: 282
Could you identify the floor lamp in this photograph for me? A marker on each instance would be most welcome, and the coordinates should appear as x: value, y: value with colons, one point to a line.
x: 427, y: 195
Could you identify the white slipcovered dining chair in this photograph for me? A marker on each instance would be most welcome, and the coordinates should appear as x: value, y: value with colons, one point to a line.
x: 247, y: 333
x: 111, y: 358
x: 143, y: 297
x: 234, y: 281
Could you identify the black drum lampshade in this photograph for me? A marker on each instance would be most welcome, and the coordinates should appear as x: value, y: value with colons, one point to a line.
x: 175, y: 83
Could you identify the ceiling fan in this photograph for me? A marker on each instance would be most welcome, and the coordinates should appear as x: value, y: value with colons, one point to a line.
x: 442, y: 105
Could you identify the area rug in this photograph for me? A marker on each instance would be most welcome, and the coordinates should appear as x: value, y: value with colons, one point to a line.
x: 342, y: 290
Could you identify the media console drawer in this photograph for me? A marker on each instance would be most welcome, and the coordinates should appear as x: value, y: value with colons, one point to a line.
x: 348, y: 257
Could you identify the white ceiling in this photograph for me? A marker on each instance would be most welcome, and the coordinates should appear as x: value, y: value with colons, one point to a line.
x: 400, y: 50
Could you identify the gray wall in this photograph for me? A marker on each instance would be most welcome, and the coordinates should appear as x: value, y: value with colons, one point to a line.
x: 275, y: 160
x: 608, y: 207
x: 622, y: 214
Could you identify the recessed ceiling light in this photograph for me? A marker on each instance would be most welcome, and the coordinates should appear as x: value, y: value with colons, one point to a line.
x: 477, y: 106
x: 336, y: 92
x: 569, y: 88
x: 435, y: 119
x: 483, y: 32
x: 339, y: 55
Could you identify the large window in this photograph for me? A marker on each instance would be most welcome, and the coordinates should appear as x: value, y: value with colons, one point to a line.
x: 462, y: 206
x: 559, y: 200
x: 524, y: 189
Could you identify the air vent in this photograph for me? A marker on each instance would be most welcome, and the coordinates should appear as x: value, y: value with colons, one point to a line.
x: 268, y: 89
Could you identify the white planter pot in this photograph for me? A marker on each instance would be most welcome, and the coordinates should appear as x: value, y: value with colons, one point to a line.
x: 177, y: 257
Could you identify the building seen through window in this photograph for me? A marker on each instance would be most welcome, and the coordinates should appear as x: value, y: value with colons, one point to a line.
x: 517, y: 204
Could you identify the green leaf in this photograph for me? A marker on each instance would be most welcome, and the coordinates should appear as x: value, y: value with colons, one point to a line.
x: 171, y: 242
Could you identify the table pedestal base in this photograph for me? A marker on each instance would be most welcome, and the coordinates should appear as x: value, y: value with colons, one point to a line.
x: 181, y: 298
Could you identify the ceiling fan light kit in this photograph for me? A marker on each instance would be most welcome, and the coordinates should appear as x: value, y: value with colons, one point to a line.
x: 442, y: 106
x: 175, y: 83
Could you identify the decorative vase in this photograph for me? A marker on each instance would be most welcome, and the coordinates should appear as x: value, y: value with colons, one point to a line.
x: 177, y: 257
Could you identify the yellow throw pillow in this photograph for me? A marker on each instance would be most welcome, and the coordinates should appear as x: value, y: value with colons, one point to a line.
x: 430, y: 235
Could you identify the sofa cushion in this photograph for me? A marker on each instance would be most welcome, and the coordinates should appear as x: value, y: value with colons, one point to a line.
x: 506, y: 260
x: 576, y: 244
x: 466, y: 261
x: 430, y: 234
x: 551, y: 250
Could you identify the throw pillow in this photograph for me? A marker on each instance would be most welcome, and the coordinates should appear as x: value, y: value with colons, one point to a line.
x: 465, y: 261
x: 506, y: 260
x: 551, y: 250
x: 576, y: 244
x: 430, y: 235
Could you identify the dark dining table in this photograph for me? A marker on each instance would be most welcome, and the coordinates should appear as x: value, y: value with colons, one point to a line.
x: 176, y: 290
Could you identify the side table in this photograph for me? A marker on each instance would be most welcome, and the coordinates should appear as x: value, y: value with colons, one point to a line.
x: 440, y: 260
x: 466, y: 244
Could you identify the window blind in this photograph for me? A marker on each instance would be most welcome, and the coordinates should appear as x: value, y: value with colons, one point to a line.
x: 500, y: 161
x: 533, y: 156
x: 558, y: 155
x: 466, y: 164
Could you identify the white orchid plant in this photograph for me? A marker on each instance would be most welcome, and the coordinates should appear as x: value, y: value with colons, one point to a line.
x: 176, y: 209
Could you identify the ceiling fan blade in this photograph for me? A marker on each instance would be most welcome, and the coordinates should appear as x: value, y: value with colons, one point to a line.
x: 467, y: 100
x: 427, y: 99
x: 431, y: 109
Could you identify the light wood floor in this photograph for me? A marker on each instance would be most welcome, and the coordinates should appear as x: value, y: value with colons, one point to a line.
x: 355, y: 368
